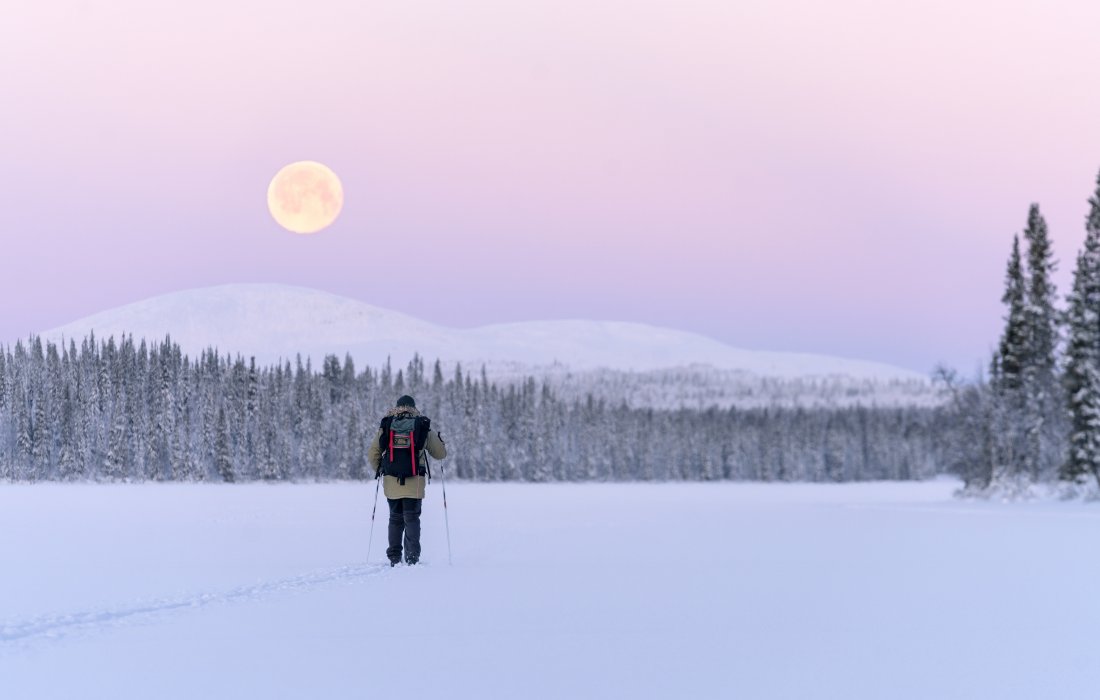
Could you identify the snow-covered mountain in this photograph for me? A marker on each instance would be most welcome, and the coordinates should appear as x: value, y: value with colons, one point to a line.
x: 278, y: 322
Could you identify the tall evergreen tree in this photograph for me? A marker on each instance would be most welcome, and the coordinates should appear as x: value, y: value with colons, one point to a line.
x: 1082, y: 377
x: 1041, y: 297
x: 3, y: 381
x: 1042, y: 452
x: 67, y: 458
x: 223, y: 458
x: 116, y: 458
x: 1008, y: 366
x: 1005, y: 407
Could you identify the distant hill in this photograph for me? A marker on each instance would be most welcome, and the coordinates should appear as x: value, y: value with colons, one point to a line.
x: 276, y: 323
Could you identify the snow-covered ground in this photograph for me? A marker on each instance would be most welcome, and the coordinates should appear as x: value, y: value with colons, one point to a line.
x: 557, y: 591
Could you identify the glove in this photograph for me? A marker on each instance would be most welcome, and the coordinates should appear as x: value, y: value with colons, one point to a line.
x: 378, y: 471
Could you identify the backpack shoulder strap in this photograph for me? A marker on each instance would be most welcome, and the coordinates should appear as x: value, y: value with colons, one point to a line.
x: 384, y: 437
x: 423, y: 427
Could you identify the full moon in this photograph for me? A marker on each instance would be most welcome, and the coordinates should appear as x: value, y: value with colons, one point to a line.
x: 305, y: 197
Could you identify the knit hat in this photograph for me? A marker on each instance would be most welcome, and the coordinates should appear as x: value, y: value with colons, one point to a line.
x: 406, y: 400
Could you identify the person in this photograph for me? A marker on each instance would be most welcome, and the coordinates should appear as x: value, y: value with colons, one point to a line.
x: 404, y: 492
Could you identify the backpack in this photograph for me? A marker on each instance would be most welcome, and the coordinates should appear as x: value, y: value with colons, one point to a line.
x: 402, y: 440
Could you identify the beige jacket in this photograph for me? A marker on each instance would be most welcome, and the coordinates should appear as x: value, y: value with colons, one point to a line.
x: 414, y: 486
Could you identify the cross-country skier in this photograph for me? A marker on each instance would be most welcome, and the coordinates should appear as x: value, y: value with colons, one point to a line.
x: 397, y: 454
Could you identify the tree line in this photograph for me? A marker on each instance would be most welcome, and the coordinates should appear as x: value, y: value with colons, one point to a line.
x: 120, y: 410
x: 1036, y: 417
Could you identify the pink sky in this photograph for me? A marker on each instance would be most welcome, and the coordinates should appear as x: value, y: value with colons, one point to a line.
x: 838, y: 177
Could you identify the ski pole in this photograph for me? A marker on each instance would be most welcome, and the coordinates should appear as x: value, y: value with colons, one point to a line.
x: 446, y: 520
x: 370, y: 540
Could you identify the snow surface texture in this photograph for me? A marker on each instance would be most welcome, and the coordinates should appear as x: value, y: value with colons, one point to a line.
x: 276, y: 322
x: 563, y: 590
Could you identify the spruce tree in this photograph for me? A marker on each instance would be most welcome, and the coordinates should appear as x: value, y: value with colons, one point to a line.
x: 1041, y: 295
x: 1040, y: 383
x: 3, y: 381
x: 116, y: 459
x: 223, y: 459
x: 1082, y: 378
x: 23, y: 434
x: 67, y: 457
x: 1008, y: 364
x: 1007, y: 370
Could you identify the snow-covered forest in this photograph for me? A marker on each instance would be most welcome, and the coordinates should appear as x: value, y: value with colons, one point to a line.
x: 1036, y: 417
x: 704, y: 387
x: 117, y: 409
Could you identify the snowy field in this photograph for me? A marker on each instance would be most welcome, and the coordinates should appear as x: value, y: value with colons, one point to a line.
x: 557, y: 591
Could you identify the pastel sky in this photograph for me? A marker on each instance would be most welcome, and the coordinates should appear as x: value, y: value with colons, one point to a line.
x: 841, y: 177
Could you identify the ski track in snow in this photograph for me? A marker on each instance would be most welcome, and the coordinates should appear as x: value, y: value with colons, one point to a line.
x: 18, y: 635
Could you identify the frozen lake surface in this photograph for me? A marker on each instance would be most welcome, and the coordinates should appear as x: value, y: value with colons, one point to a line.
x: 558, y: 590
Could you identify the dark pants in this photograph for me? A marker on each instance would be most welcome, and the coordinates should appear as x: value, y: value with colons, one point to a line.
x: 404, y: 518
